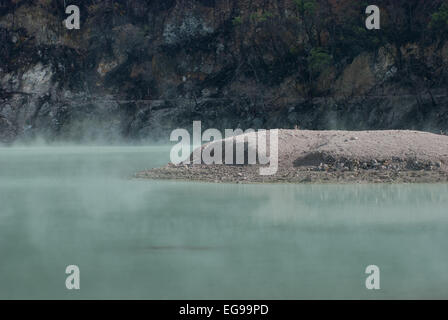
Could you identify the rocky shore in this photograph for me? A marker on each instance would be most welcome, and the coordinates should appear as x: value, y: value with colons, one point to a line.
x: 390, y: 156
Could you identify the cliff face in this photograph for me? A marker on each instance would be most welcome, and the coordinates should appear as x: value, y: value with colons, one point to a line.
x: 138, y: 69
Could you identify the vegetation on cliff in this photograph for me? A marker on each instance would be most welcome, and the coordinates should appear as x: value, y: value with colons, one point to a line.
x: 138, y: 69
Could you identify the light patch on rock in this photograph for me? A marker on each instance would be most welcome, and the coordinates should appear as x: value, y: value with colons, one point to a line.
x: 358, y: 77
x: 37, y: 79
x: 190, y: 28
x: 384, y: 67
x: 105, y: 67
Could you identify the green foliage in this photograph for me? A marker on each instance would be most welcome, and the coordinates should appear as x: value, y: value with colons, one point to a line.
x: 293, y: 50
x: 253, y: 17
x: 146, y: 29
x: 237, y: 21
x: 439, y: 19
x: 305, y: 6
x: 266, y: 15
x: 319, y: 60
x: 263, y: 17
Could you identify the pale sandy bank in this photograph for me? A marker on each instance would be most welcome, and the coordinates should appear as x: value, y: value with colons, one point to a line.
x: 390, y: 156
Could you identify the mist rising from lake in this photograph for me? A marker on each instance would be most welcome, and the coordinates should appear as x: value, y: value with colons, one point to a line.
x: 180, y: 240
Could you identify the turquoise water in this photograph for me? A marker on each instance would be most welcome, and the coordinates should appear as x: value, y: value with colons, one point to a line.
x: 135, y: 239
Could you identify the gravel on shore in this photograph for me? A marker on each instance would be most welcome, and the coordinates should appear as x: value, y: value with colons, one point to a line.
x: 389, y: 156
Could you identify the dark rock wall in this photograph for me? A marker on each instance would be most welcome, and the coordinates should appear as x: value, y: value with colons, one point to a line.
x: 138, y: 69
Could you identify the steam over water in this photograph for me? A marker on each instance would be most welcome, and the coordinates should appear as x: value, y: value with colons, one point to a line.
x: 163, y: 239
